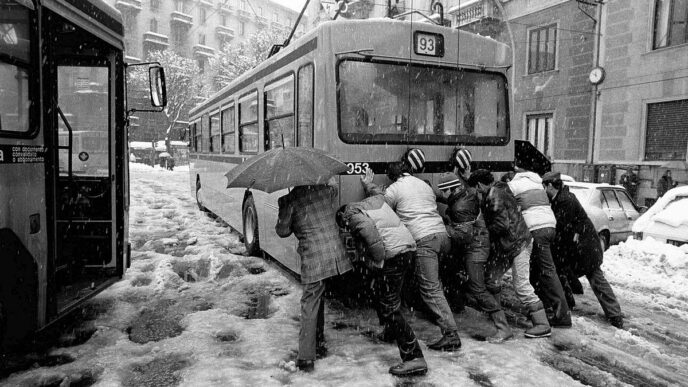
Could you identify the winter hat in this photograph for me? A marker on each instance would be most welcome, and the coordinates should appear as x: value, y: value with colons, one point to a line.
x: 551, y: 177
x: 415, y: 158
x: 481, y: 176
x: 462, y: 159
x: 448, y: 180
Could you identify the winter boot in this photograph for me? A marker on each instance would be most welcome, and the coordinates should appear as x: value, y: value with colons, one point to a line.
x: 541, y: 326
x: 503, y: 330
x: 449, y: 342
x: 416, y: 366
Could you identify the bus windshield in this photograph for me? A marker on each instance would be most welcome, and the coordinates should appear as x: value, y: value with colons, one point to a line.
x: 395, y: 102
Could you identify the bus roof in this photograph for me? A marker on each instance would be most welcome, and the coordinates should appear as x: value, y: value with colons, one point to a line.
x: 95, y: 16
x: 500, y: 55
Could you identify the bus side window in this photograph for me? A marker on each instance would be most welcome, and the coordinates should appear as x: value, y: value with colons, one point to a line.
x: 279, y: 113
x: 305, y: 107
x: 228, y: 131
x: 205, y: 134
x: 215, y: 133
x: 248, y: 123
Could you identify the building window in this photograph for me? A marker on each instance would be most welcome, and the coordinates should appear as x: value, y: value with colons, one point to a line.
x: 242, y: 28
x: 260, y: 11
x: 539, y: 132
x: 666, y: 136
x: 201, y: 39
x: 223, y: 20
x: 542, y: 49
x: 202, y: 15
x: 179, y: 5
x: 201, y: 65
x: 243, y: 5
x: 671, y: 23
x: 178, y: 36
x: 154, y: 25
x: 154, y: 5
x: 275, y: 17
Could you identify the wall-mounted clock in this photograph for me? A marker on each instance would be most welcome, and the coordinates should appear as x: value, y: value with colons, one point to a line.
x: 596, y: 75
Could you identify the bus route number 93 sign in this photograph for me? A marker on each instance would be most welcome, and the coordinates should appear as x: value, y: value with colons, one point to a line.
x: 428, y: 44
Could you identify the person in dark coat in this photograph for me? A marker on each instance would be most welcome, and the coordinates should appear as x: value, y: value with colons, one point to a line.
x: 388, y: 248
x: 629, y: 180
x: 307, y: 212
x: 577, y: 250
x: 511, y: 246
x: 665, y: 183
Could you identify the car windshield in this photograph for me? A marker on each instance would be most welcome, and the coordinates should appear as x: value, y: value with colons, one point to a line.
x: 580, y: 192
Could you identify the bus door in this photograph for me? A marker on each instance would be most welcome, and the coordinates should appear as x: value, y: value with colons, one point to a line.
x: 85, y: 178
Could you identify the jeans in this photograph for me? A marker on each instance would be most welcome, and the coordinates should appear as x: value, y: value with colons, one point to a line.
x: 388, y: 288
x: 429, y: 251
x: 312, y: 319
x: 604, y: 293
x: 543, y: 275
x: 476, y: 257
x: 520, y: 272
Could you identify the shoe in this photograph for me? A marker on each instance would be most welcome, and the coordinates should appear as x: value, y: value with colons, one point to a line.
x: 448, y: 343
x: 305, y: 365
x: 385, y: 336
x: 541, y: 326
x: 564, y: 322
x: 321, y: 351
x: 617, y: 321
x: 417, y: 366
x: 503, y: 330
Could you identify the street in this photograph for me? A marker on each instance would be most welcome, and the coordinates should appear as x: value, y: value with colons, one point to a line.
x: 193, y: 311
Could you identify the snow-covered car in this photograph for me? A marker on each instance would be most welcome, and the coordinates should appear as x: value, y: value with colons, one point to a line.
x: 667, y: 220
x: 610, y: 208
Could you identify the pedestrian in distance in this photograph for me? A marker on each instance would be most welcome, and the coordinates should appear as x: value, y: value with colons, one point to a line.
x: 629, y: 180
x: 537, y: 213
x: 576, y: 248
x: 413, y: 200
x: 388, y: 249
x: 309, y: 213
x: 665, y: 183
x: 511, y: 246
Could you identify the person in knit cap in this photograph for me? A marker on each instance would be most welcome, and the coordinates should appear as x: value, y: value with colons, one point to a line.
x: 535, y: 208
x: 414, y: 159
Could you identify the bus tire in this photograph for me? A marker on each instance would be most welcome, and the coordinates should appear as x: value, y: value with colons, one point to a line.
x: 604, y: 240
x: 199, y: 195
x: 250, y: 222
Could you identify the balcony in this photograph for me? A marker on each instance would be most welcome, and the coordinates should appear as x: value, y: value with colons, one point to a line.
x: 128, y: 5
x: 226, y: 8
x: 262, y: 20
x: 154, y: 38
x: 244, y: 14
x: 475, y: 12
x: 181, y: 19
x: 203, y: 50
x: 224, y: 33
x: 206, y: 3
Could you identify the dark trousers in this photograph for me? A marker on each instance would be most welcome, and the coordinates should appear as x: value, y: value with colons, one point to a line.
x: 312, y: 319
x: 388, y: 289
x: 476, y: 256
x: 543, y: 274
x: 604, y: 293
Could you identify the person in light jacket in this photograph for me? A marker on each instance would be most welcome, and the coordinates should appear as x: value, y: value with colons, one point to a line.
x: 537, y: 213
x: 308, y: 212
x: 414, y: 202
x: 388, y: 249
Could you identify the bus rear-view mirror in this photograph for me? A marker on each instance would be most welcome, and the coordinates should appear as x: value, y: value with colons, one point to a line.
x: 158, y: 91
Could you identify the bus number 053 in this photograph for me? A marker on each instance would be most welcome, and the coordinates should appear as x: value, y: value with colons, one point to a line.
x: 357, y: 168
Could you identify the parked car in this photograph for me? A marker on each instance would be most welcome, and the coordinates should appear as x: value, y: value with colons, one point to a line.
x: 667, y: 219
x: 610, y: 208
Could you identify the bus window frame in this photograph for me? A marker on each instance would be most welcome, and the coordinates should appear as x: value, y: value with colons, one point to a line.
x: 420, y: 139
x: 231, y: 111
x: 272, y: 85
x: 33, y: 73
x: 248, y: 97
x: 298, y: 105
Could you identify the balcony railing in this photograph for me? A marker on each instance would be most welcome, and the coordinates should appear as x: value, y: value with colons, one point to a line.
x: 151, y: 37
x: 206, y: 3
x: 244, y: 14
x: 181, y: 19
x: 203, y: 50
x: 475, y: 12
x: 261, y: 20
x: 226, y: 8
x: 128, y: 5
x: 224, y: 33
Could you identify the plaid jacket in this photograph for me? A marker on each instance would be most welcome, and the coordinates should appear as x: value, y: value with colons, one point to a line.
x: 307, y: 211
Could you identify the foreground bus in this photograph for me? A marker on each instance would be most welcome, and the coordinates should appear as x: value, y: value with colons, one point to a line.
x: 364, y: 91
x: 63, y: 166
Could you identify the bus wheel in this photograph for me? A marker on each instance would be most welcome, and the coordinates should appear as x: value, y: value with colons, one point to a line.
x: 250, y: 217
x: 199, y: 195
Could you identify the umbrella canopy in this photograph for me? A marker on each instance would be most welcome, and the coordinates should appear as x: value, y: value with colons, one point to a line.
x: 164, y: 154
x: 281, y: 168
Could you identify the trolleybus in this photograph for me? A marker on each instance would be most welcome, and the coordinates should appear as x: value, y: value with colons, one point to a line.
x: 363, y: 90
x: 64, y: 193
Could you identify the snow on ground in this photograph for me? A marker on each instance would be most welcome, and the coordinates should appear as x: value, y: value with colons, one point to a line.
x: 194, y: 311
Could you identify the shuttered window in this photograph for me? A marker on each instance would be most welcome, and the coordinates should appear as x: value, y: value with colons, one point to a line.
x: 667, y: 130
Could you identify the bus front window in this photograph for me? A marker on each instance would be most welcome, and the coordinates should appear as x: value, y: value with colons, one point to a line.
x: 382, y: 102
x: 14, y: 67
